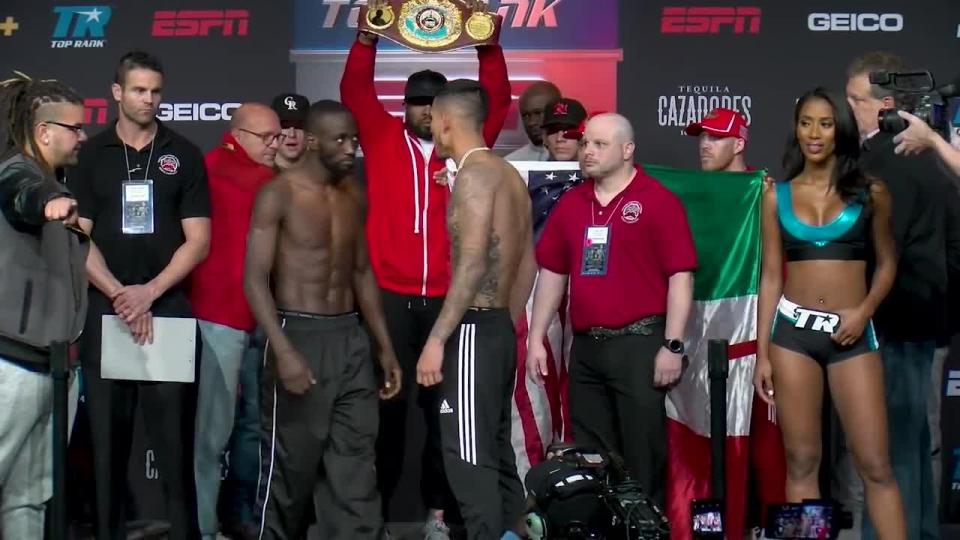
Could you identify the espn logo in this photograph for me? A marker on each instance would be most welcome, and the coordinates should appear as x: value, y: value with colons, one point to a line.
x: 953, y: 383
x: 710, y: 20
x: 193, y: 23
x: 94, y: 111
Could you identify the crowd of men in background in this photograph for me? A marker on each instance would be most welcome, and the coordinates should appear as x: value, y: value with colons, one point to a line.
x: 274, y: 245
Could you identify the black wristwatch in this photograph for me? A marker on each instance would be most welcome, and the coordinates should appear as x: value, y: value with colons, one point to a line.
x: 673, y: 345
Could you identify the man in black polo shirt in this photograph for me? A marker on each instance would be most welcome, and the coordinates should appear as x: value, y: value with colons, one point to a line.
x: 142, y: 194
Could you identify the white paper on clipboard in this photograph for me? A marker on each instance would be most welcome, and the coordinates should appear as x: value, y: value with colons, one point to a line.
x: 170, y: 358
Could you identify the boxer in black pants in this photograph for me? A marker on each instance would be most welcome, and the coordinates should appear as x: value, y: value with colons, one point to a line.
x: 471, y: 351
x: 306, y: 270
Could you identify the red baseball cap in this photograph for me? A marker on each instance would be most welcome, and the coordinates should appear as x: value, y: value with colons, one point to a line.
x: 720, y: 122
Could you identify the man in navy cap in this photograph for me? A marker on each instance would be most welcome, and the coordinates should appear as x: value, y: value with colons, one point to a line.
x: 292, y: 110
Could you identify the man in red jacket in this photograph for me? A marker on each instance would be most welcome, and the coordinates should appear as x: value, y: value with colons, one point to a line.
x: 235, y: 170
x: 409, y: 248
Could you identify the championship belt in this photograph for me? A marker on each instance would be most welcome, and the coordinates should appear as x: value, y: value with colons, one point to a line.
x: 431, y: 25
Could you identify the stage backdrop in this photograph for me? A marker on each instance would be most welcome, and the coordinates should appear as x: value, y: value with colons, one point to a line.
x: 662, y: 63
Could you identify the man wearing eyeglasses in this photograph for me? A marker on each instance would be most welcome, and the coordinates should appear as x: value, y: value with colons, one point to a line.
x: 236, y: 170
x: 142, y: 194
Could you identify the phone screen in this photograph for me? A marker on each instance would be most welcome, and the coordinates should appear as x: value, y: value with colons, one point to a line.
x: 808, y: 521
x: 707, y: 518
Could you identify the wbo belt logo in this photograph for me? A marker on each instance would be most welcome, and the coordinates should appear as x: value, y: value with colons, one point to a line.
x: 75, y: 24
x: 515, y: 13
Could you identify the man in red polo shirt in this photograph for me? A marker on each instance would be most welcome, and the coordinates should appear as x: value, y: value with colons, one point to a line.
x: 723, y: 139
x: 235, y: 170
x: 622, y: 241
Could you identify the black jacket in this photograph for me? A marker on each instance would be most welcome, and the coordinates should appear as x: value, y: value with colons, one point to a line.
x: 43, y: 283
x: 926, y: 229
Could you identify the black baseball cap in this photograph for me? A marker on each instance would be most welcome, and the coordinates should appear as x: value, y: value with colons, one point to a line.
x: 292, y: 110
x: 423, y: 86
x: 564, y: 113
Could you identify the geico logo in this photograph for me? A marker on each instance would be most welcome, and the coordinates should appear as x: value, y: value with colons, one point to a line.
x: 855, y: 22
x: 204, y: 112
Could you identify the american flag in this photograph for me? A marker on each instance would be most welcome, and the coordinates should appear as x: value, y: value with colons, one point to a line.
x: 540, y: 413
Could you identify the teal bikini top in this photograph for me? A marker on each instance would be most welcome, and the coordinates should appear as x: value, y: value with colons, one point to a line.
x: 845, y: 238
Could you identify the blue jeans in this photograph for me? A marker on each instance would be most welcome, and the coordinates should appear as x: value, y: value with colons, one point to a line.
x: 907, y: 380
x: 240, y: 488
x: 220, y: 366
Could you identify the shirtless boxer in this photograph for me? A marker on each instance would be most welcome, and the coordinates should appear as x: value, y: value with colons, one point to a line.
x: 471, y: 351
x: 306, y: 271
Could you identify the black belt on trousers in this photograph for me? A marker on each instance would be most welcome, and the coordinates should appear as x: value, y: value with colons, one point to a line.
x: 643, y: 327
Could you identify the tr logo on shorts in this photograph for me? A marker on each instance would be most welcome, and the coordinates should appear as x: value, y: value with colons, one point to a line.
x: 820, y: 321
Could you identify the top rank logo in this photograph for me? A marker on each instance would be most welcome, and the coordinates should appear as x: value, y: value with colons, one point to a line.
x: 76, y: 23
x: 710, y: 20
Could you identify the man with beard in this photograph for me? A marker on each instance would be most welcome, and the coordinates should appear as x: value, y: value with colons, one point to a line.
x: 42, y: 132
x: 723, y: 139
x: 533, y: 104
x: 307, y: 270
x: 138, y: 272
x: 409, y: 246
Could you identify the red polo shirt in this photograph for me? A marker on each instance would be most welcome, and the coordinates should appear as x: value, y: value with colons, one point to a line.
x: 649, y: 238
x: 216, y: 284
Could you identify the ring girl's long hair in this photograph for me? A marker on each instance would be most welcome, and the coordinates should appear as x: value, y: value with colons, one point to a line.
x: 847, y: 179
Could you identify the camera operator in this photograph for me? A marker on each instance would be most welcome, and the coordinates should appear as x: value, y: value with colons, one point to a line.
x: 912, y: 321
x: 43, y: 263
x: 919, y: 137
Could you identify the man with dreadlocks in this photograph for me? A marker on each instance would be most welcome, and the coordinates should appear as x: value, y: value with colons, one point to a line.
x: 43, y: 289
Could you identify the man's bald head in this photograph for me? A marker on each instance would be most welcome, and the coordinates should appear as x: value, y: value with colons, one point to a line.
x: 613, y: 125
x: 532, y: 103
x: 607, y: 145
x: 257, y: 128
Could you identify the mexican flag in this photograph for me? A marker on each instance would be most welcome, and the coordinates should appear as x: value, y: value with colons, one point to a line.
x: 724, y: 214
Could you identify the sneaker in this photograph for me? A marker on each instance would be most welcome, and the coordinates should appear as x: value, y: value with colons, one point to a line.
x: 436, y: 529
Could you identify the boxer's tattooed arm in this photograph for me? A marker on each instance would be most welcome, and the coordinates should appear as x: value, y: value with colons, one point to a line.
x: 470, y: 223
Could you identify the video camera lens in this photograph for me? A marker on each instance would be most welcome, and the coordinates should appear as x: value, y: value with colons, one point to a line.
x: 890, y: 121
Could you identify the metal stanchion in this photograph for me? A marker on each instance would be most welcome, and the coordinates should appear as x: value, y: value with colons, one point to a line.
x: 718, y: 369
x: 60, y: 371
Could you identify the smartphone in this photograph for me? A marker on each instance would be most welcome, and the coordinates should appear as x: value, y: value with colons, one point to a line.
x: 707, y: 517
x: 808, y: 520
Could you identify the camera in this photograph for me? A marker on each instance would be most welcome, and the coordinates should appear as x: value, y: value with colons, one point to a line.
x: 918, y: 94
x: 579, y: 493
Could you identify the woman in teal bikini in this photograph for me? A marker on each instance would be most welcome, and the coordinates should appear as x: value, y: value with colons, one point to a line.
x: 826, y: 222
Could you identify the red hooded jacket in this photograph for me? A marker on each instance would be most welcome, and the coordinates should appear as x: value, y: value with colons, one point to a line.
x: 406, y: 219
x: 216, y: 284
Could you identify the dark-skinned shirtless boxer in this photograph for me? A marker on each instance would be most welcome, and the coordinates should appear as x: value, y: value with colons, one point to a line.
x: 471, y: 351
x: 306, y: 271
